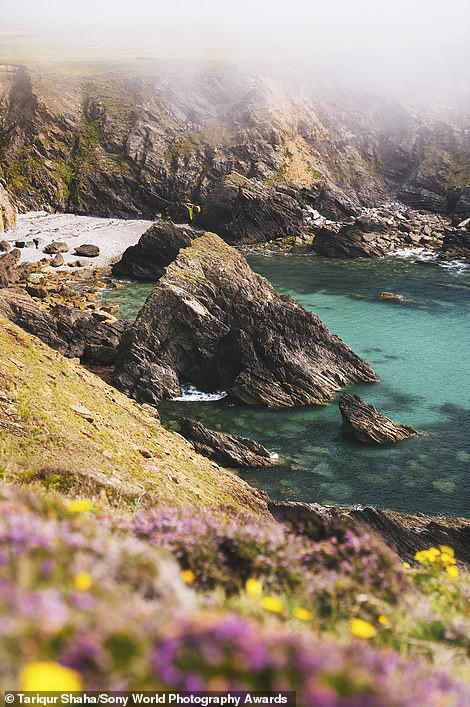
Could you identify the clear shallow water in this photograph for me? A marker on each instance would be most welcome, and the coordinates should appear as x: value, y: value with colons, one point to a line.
x: 421, y: 351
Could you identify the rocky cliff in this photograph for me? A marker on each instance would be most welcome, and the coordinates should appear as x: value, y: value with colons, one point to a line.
x: 213, y: 322
x: 7, y: 211
x: 148, y: 137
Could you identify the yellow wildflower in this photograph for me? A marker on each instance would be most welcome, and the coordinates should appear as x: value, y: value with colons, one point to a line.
x: 82, y: 505
x: 253, y: 587
x: 302, y: 614
x: 47, y: 676
x: 427, y: 557
x: 383, y: 621
x: 188, y: 576
x: 272, y: 604
x: 406, y: 566
x: 447, y: 550
x: 361, y: 629
x: 82, y: 581
x: 452, y: 571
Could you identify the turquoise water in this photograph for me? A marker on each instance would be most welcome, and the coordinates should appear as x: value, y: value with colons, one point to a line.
x: 421, y: 352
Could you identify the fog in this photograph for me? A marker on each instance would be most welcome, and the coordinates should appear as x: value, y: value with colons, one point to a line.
x: 410, y: 46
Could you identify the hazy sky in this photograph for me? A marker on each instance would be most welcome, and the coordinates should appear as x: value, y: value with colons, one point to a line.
x: 413, y: 40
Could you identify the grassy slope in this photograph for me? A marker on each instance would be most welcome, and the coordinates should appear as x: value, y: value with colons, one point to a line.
x: 63, y: 426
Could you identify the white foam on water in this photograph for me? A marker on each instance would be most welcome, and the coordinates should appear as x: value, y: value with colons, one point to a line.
x: 414, y: 254
x: 191, y: 393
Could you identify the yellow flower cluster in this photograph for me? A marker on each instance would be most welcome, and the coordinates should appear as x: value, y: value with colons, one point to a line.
x: 442, y: 557
x: 82, y: 581
x: 48, y: 676
x: 274, y: 605
x: 361, y: 629
x: 188, y: 576
x: 82, y: 505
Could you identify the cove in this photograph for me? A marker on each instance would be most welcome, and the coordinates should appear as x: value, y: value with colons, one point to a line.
x: 421, y: 352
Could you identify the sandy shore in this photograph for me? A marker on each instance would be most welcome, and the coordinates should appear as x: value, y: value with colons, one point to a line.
x: 112, y: 236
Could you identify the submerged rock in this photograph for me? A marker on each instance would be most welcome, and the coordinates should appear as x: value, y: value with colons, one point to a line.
x: 368, y: 425
x: 390, y: 297
x: 156, y: 249
x: 213, y: 322
x: 227, y: 450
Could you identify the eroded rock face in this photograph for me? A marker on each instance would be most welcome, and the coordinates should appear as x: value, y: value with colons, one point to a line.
x: 456, y: 245
x: 227, y: 450
x: 7, y: 211
x: 244, y: 210
x: 11, y: 270
x: 369, y: 426
x: 213, y: 322
x: 72, y: 332
x: 156, y: 249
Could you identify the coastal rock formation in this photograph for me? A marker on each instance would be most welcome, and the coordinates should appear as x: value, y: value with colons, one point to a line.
x: 156, y: 249
x: 87, y: 250
x: 11, y: 270
x: 7, y: 211
x: 377, y: 232
x: 56, y: 247
x: 456, y: 245
x: 366, y: 424
x: 227, y: 450
x: 72, y: 332
x: 244, y: 210
x: 215, y: 323
x: 404, y: 534
x: 81, y: 145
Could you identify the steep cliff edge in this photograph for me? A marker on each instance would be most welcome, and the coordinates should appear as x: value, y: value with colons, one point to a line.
x: 148, y: 137
x: 66, y: 429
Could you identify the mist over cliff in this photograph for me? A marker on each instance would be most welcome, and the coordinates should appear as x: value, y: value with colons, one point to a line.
x: 415, y: 50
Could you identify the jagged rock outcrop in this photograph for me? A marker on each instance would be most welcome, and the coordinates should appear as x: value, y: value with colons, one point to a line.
x: 11, y: 270
x: 366, y: 424
x: 215, y: 323
x: 404, y: 534
x: 456, y: 245
x: 377, y: 232
x: 72, y: 332
x: 244, y: 210
x: 227, y: 450
x: 7, y: 211
x: 156, y: 249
